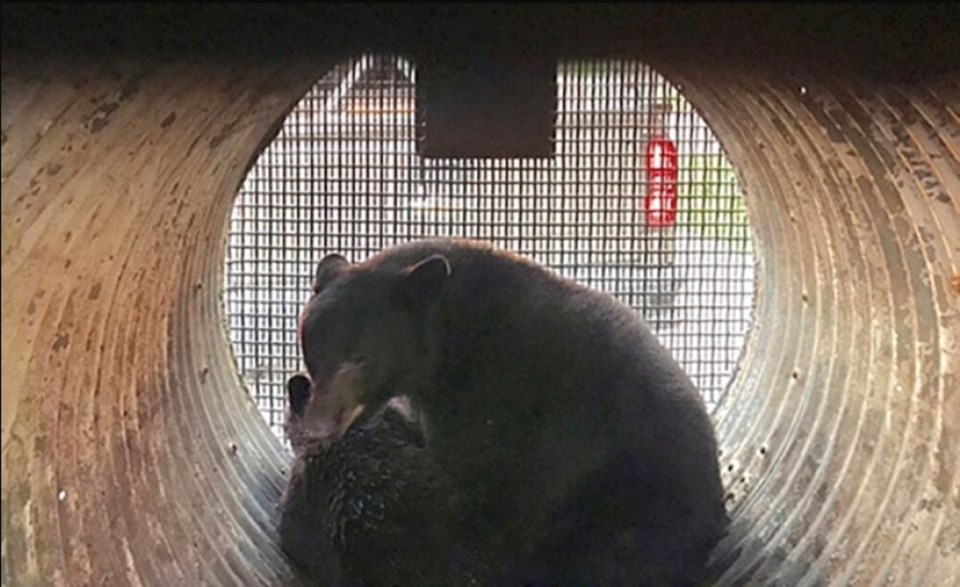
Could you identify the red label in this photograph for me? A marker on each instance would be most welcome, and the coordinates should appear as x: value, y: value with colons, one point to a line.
x: 661, y: 199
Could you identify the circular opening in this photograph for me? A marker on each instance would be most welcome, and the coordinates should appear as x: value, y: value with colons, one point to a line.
x: 134, y: 456
x: 344, y: 175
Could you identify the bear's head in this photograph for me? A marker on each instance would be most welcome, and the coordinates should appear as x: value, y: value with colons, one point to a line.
x: 363, y: 340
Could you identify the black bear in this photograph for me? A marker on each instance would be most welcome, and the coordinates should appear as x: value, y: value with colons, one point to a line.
x: 557, y: 413
x: 372, y: 508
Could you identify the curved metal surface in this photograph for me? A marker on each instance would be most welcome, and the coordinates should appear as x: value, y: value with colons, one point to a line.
x: 131, y: 455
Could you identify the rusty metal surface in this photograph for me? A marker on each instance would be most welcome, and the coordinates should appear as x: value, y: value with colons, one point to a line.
x: 841, y: 432
x: 132, y: 456
x: 130, y: 452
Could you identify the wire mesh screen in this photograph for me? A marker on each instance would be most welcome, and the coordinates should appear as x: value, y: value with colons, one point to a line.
x: 343, y: 175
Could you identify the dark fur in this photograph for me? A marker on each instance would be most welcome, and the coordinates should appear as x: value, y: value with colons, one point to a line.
x: 374, y: 509
x: 554, y: 408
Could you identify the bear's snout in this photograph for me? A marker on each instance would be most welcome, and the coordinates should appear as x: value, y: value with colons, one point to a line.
x: 334, y: 407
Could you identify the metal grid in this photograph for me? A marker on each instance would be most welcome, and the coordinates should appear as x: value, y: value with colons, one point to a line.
x: 343, y: 175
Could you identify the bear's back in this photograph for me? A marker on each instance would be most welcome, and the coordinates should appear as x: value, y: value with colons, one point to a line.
x: 562, y: 403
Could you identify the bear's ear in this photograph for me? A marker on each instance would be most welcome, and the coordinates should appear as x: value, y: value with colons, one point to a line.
x: 327, y: 269
x: 298, y: 393
x: 423, y: 281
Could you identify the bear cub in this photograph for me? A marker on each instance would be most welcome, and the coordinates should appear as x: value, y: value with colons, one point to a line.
x: 372, y: 508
